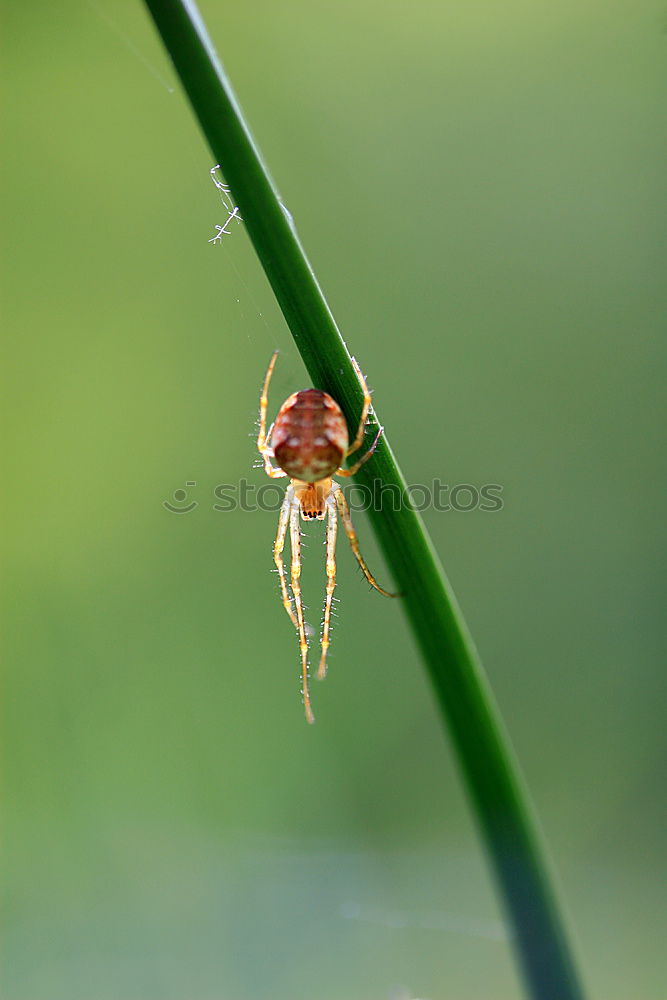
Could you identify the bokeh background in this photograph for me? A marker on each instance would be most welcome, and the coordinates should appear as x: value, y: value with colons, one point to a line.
x: 480, y: 187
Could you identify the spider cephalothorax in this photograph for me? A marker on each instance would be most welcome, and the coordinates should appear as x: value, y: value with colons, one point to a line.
x: 309, y: 440
x: 312, y: 497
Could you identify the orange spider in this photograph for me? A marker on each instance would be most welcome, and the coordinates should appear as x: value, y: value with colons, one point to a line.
x: 309, y: 440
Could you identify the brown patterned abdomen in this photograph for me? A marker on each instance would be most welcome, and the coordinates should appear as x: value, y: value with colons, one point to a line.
x: 310, y: 437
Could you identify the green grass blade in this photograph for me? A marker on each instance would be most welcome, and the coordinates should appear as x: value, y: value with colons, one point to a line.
x: 500, y: 800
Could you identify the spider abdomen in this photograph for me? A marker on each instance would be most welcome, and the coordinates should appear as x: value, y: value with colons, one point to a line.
x: 310, y: 438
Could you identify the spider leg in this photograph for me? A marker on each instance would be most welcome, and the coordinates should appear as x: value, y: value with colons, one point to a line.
x: 354, y: 541
x: 262, y: 446
x: 356, y: 444
x: 364, y: 458
x: 269, y: 469
x: 295, y: 539
x: 264, y: 403
x: 278, y: 547
x: 332, y: 529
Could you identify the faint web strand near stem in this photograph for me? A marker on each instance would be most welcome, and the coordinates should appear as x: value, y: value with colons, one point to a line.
x: 228, y: 202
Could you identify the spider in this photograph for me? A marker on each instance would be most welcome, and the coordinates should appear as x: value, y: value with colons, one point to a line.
x: 309, y: 440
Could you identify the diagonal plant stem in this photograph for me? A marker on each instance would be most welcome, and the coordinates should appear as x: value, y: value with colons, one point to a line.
x: 500, y: 800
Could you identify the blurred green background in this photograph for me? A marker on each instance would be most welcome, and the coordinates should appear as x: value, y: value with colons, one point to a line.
x: 480, y: 188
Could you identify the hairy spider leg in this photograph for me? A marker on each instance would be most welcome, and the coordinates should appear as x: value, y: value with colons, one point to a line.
x: 278, y: 547
x: 264, y: 402
x: 332, y: 530
x: 295, y: 540
x: 364, y: 458
x: 358, y: 441
x: 354, y: 541
x: 262, y: 446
